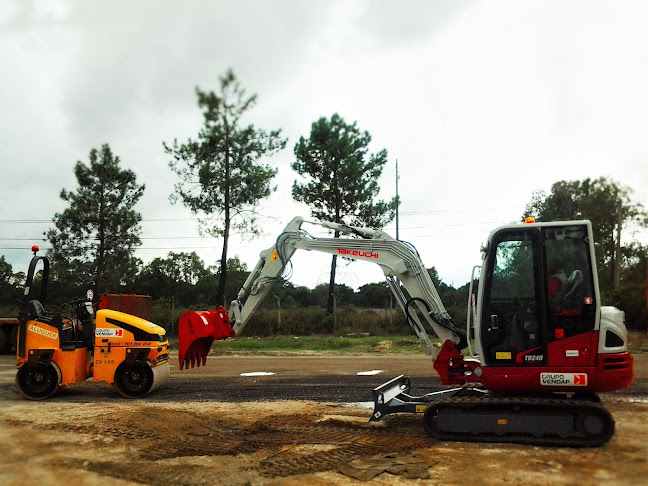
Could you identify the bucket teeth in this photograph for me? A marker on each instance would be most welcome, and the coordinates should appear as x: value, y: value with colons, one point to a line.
x: 196, y: 355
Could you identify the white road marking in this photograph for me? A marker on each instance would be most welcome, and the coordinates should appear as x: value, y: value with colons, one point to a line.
x: 368, y: 405
x: 369, y: 373
x: 258, y: 373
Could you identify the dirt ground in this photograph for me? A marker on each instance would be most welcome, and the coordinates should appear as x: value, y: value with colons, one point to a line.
x: 302, y: 425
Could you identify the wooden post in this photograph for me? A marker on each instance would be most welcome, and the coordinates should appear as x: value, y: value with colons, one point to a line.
x: 278, y: 313
x: 335, y: 323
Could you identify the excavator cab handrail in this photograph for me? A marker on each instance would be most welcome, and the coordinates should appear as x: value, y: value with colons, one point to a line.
x: 471, y: 311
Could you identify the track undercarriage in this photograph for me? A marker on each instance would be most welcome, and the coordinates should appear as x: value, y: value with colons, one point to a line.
x: 476, y: 415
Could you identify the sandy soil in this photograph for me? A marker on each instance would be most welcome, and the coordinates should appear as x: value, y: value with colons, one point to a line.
x: 192, y: 432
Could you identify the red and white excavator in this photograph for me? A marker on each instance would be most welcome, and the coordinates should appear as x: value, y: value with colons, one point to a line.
x: 538, y: 343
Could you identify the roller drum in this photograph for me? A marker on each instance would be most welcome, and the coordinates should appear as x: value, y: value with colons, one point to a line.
x: 161, y: 375
x: 139, y: 378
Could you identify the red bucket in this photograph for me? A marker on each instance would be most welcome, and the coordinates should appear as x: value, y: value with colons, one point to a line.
x: 197, y: 330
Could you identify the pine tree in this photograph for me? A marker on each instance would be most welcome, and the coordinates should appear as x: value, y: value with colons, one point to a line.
x: 220, y: 173
x: 94, y: 239
x: 342, y: 179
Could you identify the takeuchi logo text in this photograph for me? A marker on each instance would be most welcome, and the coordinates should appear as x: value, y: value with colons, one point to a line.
x: 356, y: 253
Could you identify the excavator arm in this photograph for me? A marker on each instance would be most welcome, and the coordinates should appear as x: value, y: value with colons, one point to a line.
x: 404, y: 271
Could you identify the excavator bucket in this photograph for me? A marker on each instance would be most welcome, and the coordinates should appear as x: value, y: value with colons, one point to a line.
x: 197, y: 330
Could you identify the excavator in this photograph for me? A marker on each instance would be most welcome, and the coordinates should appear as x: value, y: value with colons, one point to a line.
x: 536, y: 350
x: 119, y: 349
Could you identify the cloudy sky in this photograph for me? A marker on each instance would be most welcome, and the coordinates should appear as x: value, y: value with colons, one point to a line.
x: 482, y: 103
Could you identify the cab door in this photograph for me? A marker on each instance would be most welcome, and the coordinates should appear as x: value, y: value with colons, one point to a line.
x: 513, y: 317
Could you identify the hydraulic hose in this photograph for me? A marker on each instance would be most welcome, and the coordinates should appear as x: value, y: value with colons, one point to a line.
x: 445, y: 323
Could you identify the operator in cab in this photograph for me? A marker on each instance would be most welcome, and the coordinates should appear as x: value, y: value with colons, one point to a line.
x: 557, y: 281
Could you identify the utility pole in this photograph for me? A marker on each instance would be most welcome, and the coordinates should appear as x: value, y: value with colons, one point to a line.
x: 397, y: 201
x: 617, y: 252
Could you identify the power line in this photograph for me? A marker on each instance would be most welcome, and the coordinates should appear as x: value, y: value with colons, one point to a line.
x: 40, y: 221
x: 30, y: 221
x: 40, y: 238
x: 135, y: 249
x: 464, y: 210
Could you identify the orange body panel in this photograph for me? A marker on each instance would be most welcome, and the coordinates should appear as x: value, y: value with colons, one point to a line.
x: 113, y: 340
x: 73, y: 363
x: 106, y: 360
x: 40, y: 336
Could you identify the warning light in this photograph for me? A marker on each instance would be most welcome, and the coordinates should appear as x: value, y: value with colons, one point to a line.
x: 35, y: 249
x: 529, y: 220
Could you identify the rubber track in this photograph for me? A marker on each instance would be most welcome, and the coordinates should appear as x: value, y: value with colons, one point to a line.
x: 505, y: 404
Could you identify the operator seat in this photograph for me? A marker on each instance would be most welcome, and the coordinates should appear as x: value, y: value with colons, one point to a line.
x: 574, y: 282
x: 36, y: 310
x: 519, y: 335
x: 66, y: 334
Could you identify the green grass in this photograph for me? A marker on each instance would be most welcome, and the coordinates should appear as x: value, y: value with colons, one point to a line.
x: 317, y: 344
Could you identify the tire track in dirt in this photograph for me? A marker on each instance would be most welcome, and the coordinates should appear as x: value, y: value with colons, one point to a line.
x: 290, y: 444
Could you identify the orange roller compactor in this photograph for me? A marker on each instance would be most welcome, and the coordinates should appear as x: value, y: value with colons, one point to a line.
x: 120, y: 349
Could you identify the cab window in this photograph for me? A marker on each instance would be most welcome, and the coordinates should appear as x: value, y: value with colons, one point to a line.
x: 569, y: 282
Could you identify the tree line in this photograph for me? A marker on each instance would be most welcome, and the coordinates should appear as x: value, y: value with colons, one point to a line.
x: 222, y: 178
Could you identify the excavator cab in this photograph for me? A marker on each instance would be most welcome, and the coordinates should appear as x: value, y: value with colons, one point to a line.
x: 538, y: 287
x: 540, y: 325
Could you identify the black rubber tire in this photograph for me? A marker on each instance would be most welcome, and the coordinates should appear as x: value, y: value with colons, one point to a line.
x: 38, y: 382
x: 13, y: 339
x: 134, y: 380
x: 4, y: 341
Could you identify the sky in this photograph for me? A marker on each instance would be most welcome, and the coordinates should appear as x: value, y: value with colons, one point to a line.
x: 481, y: 103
